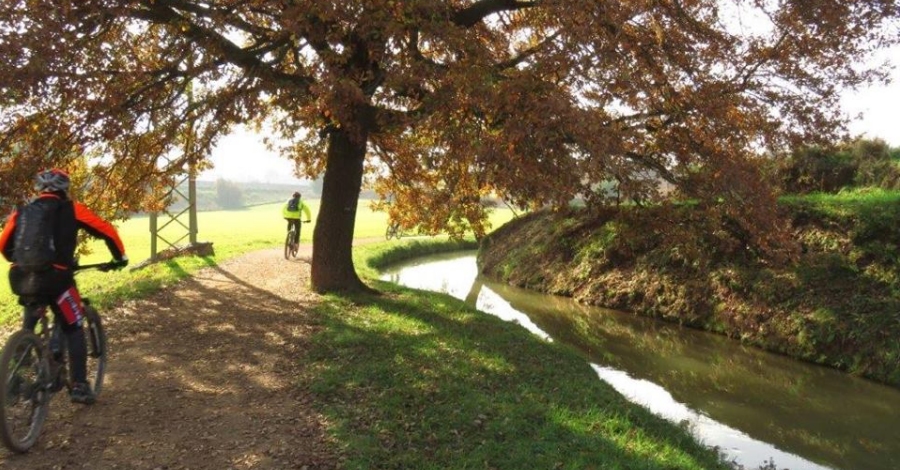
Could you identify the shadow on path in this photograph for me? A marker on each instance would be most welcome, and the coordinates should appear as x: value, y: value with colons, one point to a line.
x: 201, y: 376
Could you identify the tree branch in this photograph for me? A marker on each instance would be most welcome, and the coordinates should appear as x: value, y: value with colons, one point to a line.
x: 478, y: 11
x: 218, y: 45
x: 524, y: 55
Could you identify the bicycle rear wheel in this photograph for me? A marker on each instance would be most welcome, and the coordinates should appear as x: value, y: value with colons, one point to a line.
x: 97, y: 352
x: 25, y: 397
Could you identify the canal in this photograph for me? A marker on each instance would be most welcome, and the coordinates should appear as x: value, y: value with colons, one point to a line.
x: 756, y: 407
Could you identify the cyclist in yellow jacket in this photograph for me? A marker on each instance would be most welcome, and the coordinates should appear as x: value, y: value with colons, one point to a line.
x: 291, y: 212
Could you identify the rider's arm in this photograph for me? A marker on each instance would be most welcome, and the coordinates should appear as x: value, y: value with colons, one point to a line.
x: 6, y: 240
x: 100, y: 228
x: 305, y: 209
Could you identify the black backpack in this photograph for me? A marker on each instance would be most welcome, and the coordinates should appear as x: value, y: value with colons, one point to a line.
x: 294, y: 204
x: 34, y: 249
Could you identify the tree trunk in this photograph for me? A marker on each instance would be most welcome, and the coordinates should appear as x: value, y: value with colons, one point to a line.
x: 332, y: 260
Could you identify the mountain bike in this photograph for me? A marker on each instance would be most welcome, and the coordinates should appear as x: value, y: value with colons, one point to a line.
x: 393, y: 231
x: 290, y: 249
x: 33, y: 368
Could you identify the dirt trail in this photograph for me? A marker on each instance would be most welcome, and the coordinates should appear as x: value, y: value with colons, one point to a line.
x: 200, y: 376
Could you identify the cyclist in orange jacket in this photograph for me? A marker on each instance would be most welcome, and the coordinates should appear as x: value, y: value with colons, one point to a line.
x: 60, y: 218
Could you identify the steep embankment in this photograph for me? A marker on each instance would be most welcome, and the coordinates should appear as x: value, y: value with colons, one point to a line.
x: 837, y: 305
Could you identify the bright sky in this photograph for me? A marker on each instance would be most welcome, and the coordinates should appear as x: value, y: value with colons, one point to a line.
x: 878, y: 105
x: 242, y: 156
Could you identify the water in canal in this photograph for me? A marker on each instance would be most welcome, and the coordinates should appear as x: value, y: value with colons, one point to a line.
x: 755, y: 406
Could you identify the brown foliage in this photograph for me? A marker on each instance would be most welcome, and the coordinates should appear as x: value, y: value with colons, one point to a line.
x: 534, y: 102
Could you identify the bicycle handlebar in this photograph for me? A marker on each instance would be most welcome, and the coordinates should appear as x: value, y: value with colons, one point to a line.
x: 107, y: 266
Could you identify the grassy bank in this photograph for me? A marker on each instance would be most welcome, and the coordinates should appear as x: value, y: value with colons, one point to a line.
x: 411, y: 379
x: 837, y: 305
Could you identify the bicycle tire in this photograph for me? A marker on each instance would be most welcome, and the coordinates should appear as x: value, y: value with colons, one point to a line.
x: 97, y: 352
x: 25, y: 397
x: 287, y: 244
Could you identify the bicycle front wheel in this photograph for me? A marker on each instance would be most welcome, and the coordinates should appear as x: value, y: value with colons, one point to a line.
x: 96, y: 348
x: 288, y: 246
x: 25, y: 397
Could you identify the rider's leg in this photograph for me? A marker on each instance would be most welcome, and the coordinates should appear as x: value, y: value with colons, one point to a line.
x: 70, y: 311
x: 77, y: 353
x: 296, y: 225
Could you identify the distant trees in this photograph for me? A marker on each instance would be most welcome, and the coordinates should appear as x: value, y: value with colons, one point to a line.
x: 864, y: 162
x: 877, y: 164
x: 228, y: 194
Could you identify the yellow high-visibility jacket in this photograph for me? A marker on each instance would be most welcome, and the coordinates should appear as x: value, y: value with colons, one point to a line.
x: 301, y: 207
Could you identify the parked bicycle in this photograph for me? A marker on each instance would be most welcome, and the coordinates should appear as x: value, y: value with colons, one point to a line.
x: 33, y: 367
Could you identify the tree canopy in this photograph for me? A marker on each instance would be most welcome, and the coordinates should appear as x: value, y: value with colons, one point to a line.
x: 436, y: 103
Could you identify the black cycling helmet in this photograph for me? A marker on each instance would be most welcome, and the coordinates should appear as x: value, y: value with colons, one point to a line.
x: 296, y: 194
x: 52, y: 180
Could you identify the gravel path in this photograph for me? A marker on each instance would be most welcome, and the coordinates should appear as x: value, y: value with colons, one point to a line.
x: 200, y: 376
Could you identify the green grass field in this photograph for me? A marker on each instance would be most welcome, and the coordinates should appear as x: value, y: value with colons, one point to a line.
x: 232, y: 233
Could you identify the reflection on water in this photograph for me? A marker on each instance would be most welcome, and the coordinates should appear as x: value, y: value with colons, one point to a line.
x: 755, y: 406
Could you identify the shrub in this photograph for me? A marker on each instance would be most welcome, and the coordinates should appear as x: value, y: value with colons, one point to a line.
x: 861, y: 163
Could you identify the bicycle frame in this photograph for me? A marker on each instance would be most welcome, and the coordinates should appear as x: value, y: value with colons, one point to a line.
x: 50, y: 333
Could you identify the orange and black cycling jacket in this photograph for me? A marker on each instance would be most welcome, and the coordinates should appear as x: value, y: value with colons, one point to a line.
x: 73, y: 215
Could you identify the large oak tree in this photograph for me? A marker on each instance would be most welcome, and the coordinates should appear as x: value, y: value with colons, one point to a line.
x: 440, y: 102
